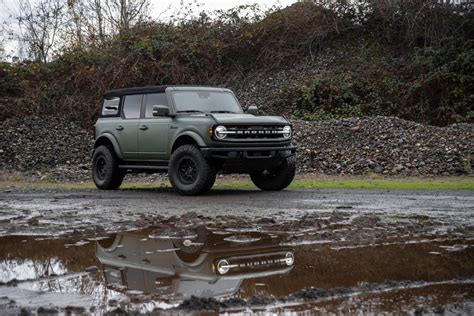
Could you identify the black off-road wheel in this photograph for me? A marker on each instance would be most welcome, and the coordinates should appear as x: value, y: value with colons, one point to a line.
x: 105, y: 171
x: 276, y: 179
x: 189, y: 172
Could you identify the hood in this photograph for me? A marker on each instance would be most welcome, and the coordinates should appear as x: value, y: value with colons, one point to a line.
x: 248, y: 119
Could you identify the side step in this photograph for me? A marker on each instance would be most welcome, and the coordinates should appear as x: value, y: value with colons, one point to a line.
x: 144, y: 167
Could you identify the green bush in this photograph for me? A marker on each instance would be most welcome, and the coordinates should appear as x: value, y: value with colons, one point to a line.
x: 443, y: 87
x: 430, y: 85
x: 327, y: 97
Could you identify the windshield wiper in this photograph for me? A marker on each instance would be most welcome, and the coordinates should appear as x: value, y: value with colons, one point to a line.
x: 190, y: 111
x: 223, y: 112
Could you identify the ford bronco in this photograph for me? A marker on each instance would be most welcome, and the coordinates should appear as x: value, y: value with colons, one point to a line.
x: 192, y: 133
x: 211, y: 265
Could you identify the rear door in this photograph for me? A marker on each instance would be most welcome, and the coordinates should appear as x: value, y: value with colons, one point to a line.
x: 153, y: 131
x: 126, y: 130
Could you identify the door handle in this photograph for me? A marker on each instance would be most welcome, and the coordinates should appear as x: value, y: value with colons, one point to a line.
x: 119, y: 127
x: 143, y: 127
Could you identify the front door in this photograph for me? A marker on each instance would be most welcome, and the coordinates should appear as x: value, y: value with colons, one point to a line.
x: 153, y: 132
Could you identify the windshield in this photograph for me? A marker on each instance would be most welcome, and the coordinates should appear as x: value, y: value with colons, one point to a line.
x: 205, y: 101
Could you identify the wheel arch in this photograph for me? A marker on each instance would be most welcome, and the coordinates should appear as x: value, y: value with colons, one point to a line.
x: 108, y: 139
x: 187, y: 138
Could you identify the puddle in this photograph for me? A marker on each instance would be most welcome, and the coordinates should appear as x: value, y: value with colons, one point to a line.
x: 214, y: 267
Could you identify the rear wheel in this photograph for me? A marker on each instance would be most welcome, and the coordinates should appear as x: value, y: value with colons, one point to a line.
x: 105, y: 171
x: 189, y: 172
x: 276, y: 179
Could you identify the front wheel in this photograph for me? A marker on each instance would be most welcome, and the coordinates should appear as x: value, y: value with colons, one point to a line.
x: 189, y: 172
x: 275, y: 179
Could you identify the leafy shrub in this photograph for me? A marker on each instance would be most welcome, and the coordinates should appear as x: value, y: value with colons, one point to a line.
x: 432, y: 85
x: 327, y: 97
x: 443, y: 88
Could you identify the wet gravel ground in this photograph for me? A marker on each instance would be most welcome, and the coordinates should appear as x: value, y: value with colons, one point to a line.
x: 351, y: 251
x: 63, y: 211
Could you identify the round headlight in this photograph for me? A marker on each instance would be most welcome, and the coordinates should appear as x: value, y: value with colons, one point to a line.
x: 287, y: 131
x: 289, y: 258
x: 223, y: 266
x: 220, y: 132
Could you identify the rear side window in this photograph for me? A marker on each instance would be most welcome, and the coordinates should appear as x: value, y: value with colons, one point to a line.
x: 132, y: 105
x: 110, y: 107
x: 154, y: 99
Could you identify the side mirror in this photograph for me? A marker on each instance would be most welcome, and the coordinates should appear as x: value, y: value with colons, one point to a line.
x: 161, y: 110
x: 252, y: 110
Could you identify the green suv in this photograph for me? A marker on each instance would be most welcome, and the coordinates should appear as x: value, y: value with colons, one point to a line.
x: 191, y: 133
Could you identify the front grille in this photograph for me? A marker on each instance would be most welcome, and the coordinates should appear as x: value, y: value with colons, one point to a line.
x: 255, y: 262
x: 252, y: 131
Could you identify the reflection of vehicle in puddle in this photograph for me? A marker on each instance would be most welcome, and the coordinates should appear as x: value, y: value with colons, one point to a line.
x: 204, y: 264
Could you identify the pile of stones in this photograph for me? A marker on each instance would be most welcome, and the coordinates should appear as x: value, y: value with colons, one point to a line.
x: 56, y: 149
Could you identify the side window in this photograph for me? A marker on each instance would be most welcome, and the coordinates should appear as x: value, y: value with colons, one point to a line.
x: 132, y: 105
x: 110, y: 107
x: 154, y: 99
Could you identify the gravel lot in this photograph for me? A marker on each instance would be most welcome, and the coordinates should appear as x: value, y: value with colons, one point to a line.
x: 25, y: 211
x: 356, y: 251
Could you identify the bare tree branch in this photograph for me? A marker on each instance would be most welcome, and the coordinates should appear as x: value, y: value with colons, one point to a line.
x: 40, y: 24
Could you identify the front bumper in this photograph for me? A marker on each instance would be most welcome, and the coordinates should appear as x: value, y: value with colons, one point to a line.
x: 248, y: 159
x: 248, y: 152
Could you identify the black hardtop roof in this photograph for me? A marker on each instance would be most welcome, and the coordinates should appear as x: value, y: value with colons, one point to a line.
x: 135, y: 90
x: 149, y: 89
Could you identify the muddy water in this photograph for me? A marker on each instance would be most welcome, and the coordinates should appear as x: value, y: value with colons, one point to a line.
x: 235, y: 269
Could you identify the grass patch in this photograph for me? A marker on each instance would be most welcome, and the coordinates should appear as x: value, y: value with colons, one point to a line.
x: 446, y: 183
x: 461, y: 183
x: 77, y: 185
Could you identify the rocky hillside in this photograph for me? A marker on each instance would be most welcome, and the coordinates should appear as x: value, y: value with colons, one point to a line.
x: 49, y: 148
x: 384, y: 145
x: 56, y: 149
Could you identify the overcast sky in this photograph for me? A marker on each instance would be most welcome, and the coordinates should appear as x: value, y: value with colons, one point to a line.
x: 160, y: 9
x: 7, y: 7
